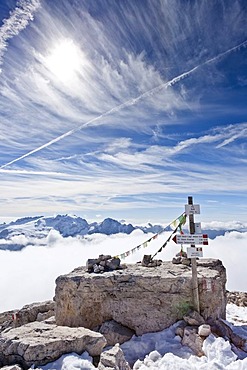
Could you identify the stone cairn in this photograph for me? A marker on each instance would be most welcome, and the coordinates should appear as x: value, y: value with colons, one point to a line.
x: 147, y: 261
x: 104, y: 263
x: 181, y: 258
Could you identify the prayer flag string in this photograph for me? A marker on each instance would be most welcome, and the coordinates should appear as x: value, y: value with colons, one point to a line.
x: 177, y: 223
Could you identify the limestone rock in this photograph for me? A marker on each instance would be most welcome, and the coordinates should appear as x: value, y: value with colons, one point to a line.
x: 42, y: 316
x: 194, y: 318
x: 50, y: 320
x: 237, y: 298
x: 39, y: 343
x: 26, y: 314
x: 193, y: 340
x: 113, y: 359
x: 204, y: 330
x: 115, y: 332
x: 141, y: 298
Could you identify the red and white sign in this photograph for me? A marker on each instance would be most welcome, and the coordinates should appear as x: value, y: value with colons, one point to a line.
x: 191, y: 239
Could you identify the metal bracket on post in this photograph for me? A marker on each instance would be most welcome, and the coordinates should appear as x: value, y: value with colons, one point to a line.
x: 195, y: 290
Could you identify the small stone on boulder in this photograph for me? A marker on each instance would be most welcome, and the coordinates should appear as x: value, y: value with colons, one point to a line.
x: 113, y: 263
x: 194, y: 318
x: 90, y: 263
x: 177, y: 260
x: 147, y: 261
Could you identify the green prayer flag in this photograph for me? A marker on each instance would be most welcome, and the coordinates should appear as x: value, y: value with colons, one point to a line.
x: 182, y: 219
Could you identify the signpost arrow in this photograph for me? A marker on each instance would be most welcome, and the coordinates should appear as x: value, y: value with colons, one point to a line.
x: 201, y: 239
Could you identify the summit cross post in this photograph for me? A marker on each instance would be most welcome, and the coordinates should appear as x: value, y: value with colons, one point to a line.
x: 195, y: 291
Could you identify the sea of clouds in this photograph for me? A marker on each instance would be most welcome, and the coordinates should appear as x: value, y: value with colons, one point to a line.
x: 29, y: 275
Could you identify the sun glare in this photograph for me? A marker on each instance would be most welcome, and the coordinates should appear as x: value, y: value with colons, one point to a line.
x: 64, y: 60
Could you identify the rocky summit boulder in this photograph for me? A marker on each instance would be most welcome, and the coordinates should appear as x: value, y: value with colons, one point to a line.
x: 39, y: 343
x: 144, y: 299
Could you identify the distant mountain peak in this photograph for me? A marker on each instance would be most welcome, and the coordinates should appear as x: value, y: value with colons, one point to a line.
x: 67, y: 225
x: 38, y: 227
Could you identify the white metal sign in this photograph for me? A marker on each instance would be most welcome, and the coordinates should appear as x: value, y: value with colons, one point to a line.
x: 191, y: 239
x: 193, y: 252
x: 192, y: 209
x: 198, y: 228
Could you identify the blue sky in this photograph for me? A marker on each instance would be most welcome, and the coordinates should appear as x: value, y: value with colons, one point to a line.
x: 123, y: 108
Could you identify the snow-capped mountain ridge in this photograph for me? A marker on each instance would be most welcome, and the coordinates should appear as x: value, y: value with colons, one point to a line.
x: 38, y: 227
x: 68, y: 226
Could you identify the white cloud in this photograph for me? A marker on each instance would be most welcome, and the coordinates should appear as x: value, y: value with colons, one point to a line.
x: 231, y: 249
x: 223, y: 225
x: 29, y: 275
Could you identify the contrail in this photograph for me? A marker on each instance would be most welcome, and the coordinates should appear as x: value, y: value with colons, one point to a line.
x: 18, y: 20
x: 128, y: 103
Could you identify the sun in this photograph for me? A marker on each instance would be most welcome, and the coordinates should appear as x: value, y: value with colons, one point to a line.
x: 64, y: 60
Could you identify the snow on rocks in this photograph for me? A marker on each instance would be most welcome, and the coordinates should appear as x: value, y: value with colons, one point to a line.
x: 218, y: 355
x: 71, y: 361
x: 164, y: 350
x: 236, y: 315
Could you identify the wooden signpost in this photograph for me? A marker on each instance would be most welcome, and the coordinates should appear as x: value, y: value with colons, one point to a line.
x: 193, y: 252
x: 191, y: 212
